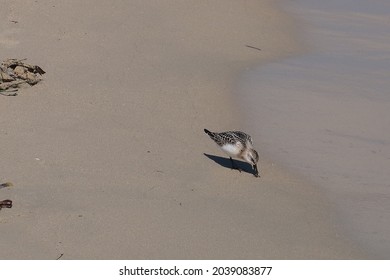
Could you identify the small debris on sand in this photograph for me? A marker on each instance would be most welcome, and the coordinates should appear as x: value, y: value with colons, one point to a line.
x: 6, y: 185
x: 6, y: 203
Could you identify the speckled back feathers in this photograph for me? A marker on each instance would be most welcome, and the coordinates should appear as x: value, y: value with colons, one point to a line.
x: 230, y: 137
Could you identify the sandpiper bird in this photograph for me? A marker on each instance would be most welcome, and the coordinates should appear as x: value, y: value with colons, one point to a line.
x: 236, y: 144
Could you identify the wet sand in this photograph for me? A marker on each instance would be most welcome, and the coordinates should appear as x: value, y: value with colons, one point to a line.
x: 108, y: 156
x: 325, y: 114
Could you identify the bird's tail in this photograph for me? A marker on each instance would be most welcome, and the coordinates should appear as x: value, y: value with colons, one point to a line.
x: 208, y: 132
x: 212, y: 135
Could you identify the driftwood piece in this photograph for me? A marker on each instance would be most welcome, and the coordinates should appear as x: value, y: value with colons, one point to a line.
x: 13, y: 63
x: 10, y: 88
x: 15, y: 72
x: 4, y: 76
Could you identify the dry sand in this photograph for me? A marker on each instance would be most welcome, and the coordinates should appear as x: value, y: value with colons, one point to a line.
x: 107, y: 154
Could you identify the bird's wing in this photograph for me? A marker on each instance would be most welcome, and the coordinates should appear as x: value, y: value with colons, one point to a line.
x: 239, y: 135
x: 227, y: 137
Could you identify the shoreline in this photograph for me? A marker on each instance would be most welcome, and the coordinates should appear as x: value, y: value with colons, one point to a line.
x: 322, y: 114
x: 108, y: 155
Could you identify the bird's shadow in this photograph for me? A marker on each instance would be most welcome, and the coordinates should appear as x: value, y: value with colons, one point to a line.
x: 225, y: 162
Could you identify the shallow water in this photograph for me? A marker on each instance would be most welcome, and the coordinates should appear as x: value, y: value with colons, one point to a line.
x: 326, y: 114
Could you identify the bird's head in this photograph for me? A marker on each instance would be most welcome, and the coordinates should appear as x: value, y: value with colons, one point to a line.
x: 252, y: 157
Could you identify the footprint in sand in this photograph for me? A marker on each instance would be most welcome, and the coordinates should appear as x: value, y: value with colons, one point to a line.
x: 6, y: 38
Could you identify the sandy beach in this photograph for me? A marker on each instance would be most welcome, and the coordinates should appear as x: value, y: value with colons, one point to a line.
x: 108, y: 156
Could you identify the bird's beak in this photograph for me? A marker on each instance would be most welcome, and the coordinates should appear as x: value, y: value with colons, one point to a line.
x: 256, y: 171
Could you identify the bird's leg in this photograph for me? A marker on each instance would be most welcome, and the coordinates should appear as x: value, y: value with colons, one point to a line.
x: 234, y: 166
x: 256, y: 174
